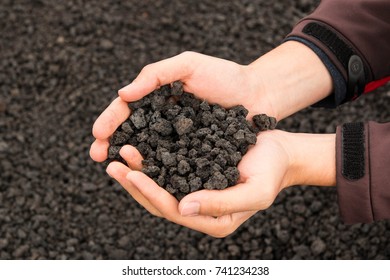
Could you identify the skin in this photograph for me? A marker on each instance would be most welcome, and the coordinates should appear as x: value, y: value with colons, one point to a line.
x: 280, y: 83
x: 284, y: 162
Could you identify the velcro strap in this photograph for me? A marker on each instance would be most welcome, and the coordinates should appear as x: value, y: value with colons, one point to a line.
x: 353, y: 149
x: 344, y: 53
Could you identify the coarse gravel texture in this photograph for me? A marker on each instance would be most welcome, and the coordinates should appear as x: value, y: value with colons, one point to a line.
x: 60, y: 65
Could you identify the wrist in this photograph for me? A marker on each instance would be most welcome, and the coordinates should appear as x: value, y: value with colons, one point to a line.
x: 289, y: 78
x: 312, y: 159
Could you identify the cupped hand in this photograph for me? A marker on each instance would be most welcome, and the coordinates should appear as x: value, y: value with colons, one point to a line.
x: 278, y: 160
x: 213, y: 79
x: 263, y: 174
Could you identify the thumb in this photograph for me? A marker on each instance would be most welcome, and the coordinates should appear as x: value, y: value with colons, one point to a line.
x: 240, y: 198
x: 159, y: 73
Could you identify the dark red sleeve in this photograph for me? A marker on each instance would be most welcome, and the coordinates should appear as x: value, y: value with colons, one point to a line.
x: 363, y: 171
x: 341, y: 28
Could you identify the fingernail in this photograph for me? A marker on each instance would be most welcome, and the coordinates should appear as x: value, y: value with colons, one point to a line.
x: 122, y: 151
x: 190, y: 209
x: 108, y: 172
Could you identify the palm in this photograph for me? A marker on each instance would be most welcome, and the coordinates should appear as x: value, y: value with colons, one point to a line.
x: 262, y: 172
x: 263, y: 169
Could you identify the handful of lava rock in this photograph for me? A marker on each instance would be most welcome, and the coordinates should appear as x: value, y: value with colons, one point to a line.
x: 188, y: 144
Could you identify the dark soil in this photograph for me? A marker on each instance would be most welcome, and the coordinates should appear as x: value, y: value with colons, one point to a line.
x: 61, y: 63
x: 188, y: 144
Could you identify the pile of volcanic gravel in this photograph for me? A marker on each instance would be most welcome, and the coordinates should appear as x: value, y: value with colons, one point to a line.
x: 188, y: 144
x: 61, y: 63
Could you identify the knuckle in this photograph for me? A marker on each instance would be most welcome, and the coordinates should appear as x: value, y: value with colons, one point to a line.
x: 189, y: 58
x: 153, y: 71
x: 219, y: 208
x: 112, y: 119
x: 146, y: 69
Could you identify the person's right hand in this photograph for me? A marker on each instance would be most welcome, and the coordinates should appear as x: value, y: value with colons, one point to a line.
x: 213, y: 79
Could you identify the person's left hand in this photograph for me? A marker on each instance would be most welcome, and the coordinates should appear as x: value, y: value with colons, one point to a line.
x: 279, y: 159
x: 264, y: 173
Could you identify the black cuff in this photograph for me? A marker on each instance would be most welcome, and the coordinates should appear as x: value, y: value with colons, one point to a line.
x: 343, y: 51
x: 339, y: 93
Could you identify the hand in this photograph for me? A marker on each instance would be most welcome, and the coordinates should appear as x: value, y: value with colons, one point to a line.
x: 279, y: 83
x: 210, y: 78
x: 278, y: 160
x: 216, y: 80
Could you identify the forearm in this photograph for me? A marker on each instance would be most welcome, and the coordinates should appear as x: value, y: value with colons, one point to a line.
x: 291, y: 77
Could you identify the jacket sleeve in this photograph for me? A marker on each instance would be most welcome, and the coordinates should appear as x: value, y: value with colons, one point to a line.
x: 352, y: 37
x: 363, y: 171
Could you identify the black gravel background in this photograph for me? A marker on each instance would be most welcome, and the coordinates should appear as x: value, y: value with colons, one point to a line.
x: 61, y: 63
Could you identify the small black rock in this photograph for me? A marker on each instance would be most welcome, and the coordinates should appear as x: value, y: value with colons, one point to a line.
x: 183, y: 125
x: 263, y: 122
x: 138, y: 118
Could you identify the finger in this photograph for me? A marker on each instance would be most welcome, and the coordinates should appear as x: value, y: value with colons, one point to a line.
x: 99, y: 150
x: 158, y: 197
x: 132, y: 156
x: 240, y: 198
x: 111, y: 118
x: 119, y: 171
x: 160, y: 73
x: 168, y: 207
